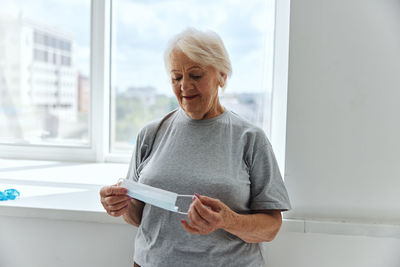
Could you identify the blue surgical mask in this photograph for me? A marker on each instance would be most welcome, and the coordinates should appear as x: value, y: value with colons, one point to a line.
x: 154, y: 196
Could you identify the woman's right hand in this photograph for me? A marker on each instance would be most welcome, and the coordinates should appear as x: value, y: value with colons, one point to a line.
x: 115, y: 200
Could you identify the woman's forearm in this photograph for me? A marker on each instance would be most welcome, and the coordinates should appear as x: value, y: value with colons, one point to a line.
x: 255, y: 228
x: 134, y: 214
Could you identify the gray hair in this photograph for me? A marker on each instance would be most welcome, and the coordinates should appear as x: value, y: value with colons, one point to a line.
x: 203, y: 47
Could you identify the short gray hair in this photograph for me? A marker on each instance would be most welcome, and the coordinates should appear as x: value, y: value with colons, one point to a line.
x: 203, y: 47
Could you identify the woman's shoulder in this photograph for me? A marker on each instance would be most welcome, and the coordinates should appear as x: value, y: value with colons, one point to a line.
x: 243, y: 124
x: 248, y: 131
x: 152, y: 127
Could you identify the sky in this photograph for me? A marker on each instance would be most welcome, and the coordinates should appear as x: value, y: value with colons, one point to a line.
x: 141, y: 29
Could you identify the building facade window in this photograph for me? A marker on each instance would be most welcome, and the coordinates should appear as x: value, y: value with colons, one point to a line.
x: 42, y: 107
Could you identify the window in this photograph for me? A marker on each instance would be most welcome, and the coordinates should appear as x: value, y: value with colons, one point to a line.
x: 41, y: 98
x: 61, y: 60
x: 140, y: 87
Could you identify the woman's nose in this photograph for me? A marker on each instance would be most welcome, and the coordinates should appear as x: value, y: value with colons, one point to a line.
x: 185, y: 84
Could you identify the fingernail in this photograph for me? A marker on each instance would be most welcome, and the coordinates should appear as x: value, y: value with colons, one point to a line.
x: 193, y: 198
x: 197, y: 195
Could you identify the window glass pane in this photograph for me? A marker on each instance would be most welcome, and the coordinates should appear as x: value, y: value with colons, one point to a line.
x: 141, y: 89
x: 44, y: 72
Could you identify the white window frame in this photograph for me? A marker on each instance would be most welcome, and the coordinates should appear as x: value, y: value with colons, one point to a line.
x: 280, y: 82
x: 98, y: 149
x: 99, y: 96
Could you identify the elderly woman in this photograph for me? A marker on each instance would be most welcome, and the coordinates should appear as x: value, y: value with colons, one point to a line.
x: 205, y: 150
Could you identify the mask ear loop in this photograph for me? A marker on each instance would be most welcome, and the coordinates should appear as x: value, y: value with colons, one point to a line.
x: 181, y: 212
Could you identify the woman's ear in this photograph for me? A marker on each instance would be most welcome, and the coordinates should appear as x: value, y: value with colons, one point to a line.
x: 222, y: 79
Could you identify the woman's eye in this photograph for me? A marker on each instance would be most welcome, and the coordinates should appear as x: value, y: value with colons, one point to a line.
x: 196, y: 77
x: 177, y: 78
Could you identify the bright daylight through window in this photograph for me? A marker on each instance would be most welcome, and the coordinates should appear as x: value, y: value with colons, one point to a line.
x: 44, y: 72
x: 141, y: 89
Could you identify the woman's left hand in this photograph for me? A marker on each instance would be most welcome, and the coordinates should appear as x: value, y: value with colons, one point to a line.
x: 206, y: 215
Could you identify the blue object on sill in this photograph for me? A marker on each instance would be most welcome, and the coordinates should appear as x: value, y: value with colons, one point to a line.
x: 9, y: 194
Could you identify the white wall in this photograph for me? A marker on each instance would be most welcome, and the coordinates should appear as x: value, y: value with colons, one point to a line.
x: 39, y: 242
x: 343, y: 116
x: 322, y: 250
x: 343, y: 127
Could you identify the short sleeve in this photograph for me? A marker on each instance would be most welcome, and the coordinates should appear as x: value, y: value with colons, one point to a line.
x: 268, y: 190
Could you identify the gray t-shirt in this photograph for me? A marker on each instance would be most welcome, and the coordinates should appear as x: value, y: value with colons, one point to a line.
x: 224, y: 157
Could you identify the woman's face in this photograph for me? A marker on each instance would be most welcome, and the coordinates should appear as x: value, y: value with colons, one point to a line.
x: 195, y: 87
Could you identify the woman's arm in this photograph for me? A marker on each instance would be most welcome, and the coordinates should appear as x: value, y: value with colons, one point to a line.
x: 134, y: 213
x: 262, y: 226
x: 208, y: 214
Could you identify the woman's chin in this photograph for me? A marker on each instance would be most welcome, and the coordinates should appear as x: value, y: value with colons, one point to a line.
x: 193, y: 114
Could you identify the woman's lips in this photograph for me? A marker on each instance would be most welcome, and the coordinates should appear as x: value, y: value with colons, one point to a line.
x: 189, y: 97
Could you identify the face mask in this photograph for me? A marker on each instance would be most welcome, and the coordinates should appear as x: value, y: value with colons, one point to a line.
x: 154, y: 196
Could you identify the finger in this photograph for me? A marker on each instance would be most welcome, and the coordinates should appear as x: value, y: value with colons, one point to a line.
x: 189, y: 228
x: 117, y: 213
x: 113, y: 190
x: 205, y: 213
x: 118, y: 206
x: 195, y: 218
x: 112, y: 200
x: 213, y: 203
x: 193, y: 223
x: 104, y: 205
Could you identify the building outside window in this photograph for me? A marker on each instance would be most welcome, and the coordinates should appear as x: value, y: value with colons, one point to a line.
x: 41, y: 75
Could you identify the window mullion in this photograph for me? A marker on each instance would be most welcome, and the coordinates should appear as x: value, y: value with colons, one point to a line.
x: 280, y: 81
x: 100, y: 72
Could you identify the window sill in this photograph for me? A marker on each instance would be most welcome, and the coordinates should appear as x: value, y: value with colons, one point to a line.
x: 70, y: 191
x: 58, y: 190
